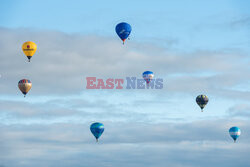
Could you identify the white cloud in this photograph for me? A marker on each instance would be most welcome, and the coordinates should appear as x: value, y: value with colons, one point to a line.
x: 239, y: 111
x: 51, y: 125
x: 63, y: 61
x: 136, y: 144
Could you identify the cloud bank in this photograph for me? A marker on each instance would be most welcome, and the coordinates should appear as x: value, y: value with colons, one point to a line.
x: 139, y: 144
x: 50, y: 127
x: 63, y: 61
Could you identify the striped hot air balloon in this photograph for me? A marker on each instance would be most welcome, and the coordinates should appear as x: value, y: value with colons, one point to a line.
x: 148, y: 76
x: 24, y: 85
x: 234, y: 133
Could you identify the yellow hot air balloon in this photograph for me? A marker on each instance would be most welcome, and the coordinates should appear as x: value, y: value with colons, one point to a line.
x: 24, y: 86
x: 29, y: 49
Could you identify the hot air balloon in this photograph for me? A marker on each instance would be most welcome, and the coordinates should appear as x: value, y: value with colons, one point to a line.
x: 123, y: 30
x: 202, y: 101
x: 24, y: 86
x: 234, y: 133
x: 148, y: 76
x: 29, y: 49
x: 97, y: 129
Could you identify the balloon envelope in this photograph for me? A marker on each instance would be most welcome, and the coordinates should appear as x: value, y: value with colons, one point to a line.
x: 123, y: 30
x: 202, y: 101
x: 148, y: 76
x: 234, y: 133
x: 29, y: 49
x: 97, y: 129
x: 24, y: 85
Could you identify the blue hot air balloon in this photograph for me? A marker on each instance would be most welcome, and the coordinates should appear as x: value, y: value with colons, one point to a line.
x: 234, y: 133
x: 148, y: 76
x: 123, y: 30
x: 97, y: 129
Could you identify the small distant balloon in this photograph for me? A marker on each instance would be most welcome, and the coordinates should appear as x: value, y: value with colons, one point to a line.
x: 202, y: 101
x: 24, y: 85
x: 148, y: 76
x: 29, y: 49
x: 97, y: 129
x: 234, y: 133
x: 123, y: 30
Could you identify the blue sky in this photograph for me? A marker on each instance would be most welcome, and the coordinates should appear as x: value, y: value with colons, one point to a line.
x: 197, y: 47
x: 192, y: 24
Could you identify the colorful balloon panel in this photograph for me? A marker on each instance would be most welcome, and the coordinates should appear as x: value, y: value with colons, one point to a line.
x: 24, y: 85
x: 148, y: 76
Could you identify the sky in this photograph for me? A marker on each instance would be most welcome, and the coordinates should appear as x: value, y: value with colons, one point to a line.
x: 196, y: 47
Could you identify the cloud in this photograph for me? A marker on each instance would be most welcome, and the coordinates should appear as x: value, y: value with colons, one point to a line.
x: 63, y: 61
x: 67, y: 110
x: 239, y: 111
x: 50, y: 127
x: 123, y: 144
